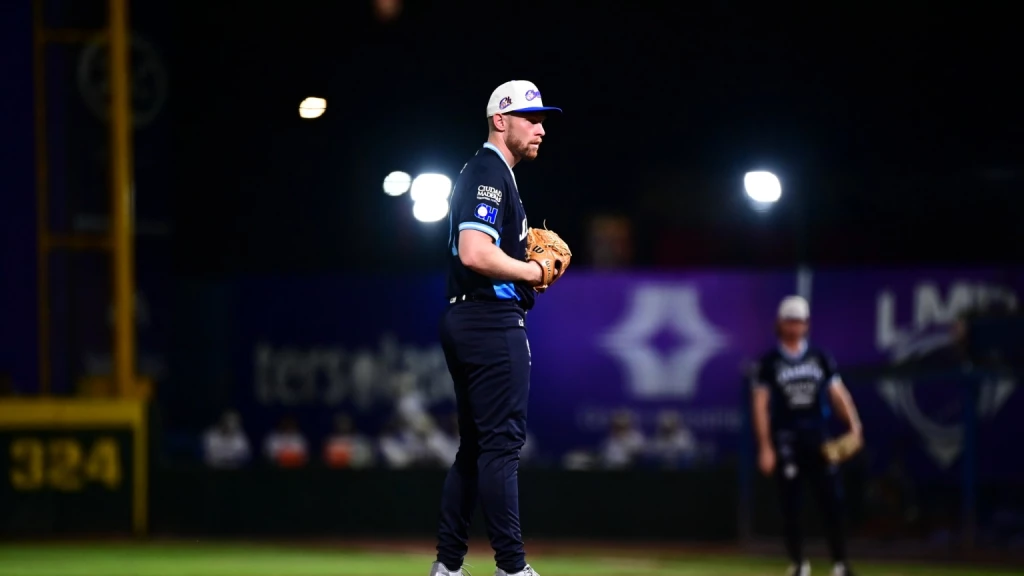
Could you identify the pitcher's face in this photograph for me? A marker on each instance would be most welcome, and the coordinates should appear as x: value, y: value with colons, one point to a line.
x: 524, y: 134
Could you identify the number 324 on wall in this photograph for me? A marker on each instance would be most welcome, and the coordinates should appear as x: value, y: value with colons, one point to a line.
x: 63, y: 464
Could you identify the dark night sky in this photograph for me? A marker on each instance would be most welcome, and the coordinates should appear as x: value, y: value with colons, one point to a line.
x: 881, y: 122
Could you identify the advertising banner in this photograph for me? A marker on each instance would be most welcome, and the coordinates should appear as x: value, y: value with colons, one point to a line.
x: 648, y: 343
x: 872, y: 319
x: 314, y: 348
x: 605, y: 342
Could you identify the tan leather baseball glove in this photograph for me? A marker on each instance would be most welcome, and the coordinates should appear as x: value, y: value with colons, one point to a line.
x: 550, y: 251
x: 843, y: 448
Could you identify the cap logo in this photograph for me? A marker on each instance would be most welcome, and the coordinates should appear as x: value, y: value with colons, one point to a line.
x: 505, y: 102
x: 532, y: 95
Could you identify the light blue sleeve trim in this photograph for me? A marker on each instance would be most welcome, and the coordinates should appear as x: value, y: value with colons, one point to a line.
x: 480, y: 228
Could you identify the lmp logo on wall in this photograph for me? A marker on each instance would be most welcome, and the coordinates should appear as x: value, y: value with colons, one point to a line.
x: 929, y: 332
x: 654, y: 309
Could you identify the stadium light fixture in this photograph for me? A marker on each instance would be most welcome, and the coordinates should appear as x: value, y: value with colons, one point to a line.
x: 397, y: 183
x: 312, y: 108
x: 387, y: 10
x: 431, y: 187
x: 762, y: 187
x: 430, y: 209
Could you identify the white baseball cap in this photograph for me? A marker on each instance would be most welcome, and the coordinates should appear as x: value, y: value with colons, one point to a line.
x: 794, y: 308
x: 517, y: 96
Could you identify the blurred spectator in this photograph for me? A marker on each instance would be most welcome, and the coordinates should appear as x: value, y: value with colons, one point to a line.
x: 225, y: 444
x: 410, y: 402
x: 440, y: 444
x: 400, y: 445
x: 579, y: 460
x: 347, y: 448
x: 673, y: 444
x: 529, y: 452
x: 625, y: 443
x: 285, y: 446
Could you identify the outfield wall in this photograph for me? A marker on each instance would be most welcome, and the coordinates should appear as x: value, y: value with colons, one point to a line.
x: 635, y: 505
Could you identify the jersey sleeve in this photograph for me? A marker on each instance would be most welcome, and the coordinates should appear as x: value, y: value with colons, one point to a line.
x: 831, y: 369
x: 761, y: 375
x: 481, y: 204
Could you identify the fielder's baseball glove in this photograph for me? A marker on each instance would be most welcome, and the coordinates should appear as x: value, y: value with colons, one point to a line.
x: 842, y: 448
x: 550, y: 251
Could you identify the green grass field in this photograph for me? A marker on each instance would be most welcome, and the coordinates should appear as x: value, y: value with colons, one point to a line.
x: 276, y: 560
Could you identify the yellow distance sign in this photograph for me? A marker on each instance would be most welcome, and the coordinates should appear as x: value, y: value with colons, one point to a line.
x: 66, y: 464
x: 75, y: 465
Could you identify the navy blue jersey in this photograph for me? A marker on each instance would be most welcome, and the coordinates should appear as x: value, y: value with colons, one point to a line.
x: 485, y: 198
x: 799, y: 387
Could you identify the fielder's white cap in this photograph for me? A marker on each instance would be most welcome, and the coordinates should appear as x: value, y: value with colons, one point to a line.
x: 794, y: 308
x: 517, y: 96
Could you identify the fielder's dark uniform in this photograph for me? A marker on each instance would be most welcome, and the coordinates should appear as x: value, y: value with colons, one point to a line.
x: 800, y: 406
x: 483, y: 334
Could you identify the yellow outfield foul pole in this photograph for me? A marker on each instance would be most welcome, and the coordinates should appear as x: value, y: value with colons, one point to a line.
x: 121, y: 221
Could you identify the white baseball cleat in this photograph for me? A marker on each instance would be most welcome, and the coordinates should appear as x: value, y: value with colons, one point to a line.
x: 801, y: 570
x: 840, y: 569
x: 438, y: 569
x: 525, y: 572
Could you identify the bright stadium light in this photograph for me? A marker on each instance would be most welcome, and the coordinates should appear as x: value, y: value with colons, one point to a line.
x: 430, y: 187
x: 762, y: 187
x: 397, y: 183
x: 312, y: 108
x: 430, y: 209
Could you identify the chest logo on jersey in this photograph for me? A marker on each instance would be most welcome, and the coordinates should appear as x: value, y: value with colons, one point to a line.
x: 799, y: 383
x: 486, y: 213
x: 488, y: 193
x: 522, y: 235
x: 804, y: 371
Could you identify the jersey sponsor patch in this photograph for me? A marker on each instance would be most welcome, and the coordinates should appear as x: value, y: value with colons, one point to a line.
x: 488, y: 193
x: 486, y: 213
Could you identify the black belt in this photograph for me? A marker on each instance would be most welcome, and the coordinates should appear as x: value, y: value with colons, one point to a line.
x: 479, y: 298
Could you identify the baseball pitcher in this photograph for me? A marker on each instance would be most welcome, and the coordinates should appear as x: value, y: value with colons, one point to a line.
x: 497, y: 266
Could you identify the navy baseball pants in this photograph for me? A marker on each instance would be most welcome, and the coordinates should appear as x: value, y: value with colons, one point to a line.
x: 799, y: 460
x: 488, y: 355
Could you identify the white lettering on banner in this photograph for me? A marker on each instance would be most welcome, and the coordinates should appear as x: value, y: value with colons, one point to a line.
x: 597, y: 420
x: 289, y: 376
x: 932, y: 311
x: 930, y: 330
x: 654, y: 308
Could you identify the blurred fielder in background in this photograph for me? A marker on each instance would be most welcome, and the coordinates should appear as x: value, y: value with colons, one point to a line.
x: 794, y: 391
